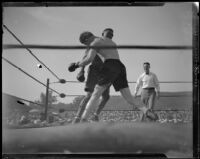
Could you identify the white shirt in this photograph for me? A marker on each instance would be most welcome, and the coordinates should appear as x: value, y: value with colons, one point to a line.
x: 147, y: 81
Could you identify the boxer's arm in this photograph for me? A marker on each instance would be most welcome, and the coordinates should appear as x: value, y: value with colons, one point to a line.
x: 84, y: 56
x: 87, y: 59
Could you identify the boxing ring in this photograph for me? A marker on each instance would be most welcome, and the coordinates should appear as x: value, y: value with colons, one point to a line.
x: 99, y: 137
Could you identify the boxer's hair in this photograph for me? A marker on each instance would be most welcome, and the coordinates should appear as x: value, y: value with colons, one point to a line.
x: 146, y: 63
x: 107, y: 29
x: 84, y: 36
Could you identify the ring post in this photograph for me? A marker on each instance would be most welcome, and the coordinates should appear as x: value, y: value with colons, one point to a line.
x: 47, y: 95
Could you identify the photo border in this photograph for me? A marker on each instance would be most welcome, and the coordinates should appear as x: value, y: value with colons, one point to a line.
x: 196, y: 132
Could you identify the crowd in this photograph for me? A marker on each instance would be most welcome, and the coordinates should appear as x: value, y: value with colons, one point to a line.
x: 64, y: 118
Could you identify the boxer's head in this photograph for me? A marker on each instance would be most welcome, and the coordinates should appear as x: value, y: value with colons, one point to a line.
x: 86, y: 37
x: 108, y: 32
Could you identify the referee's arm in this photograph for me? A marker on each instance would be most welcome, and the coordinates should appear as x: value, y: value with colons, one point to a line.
x: 137, y: 86
x: 157, y: 86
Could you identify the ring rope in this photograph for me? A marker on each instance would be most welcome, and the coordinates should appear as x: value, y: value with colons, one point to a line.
x: 72, y: 3
x: 75, y: 95
x: 60, y: 47
x: 29, y: 51
x: 28, y: 74
x: 135, y: 82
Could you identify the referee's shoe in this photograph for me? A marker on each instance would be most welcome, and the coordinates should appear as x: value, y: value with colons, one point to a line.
x: 151, y: 115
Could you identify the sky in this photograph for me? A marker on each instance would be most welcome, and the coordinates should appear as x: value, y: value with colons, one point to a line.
x: 167, y: 25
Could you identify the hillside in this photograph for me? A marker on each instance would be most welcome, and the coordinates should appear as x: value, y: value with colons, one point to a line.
x: 11, y: 103
x: 11, y: 107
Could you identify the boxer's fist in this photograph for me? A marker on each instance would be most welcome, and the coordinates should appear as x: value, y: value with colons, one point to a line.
x: 80, y: 76
x: 72, y: 67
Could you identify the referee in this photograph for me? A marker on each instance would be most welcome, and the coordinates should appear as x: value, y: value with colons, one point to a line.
x: 150, y: 89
